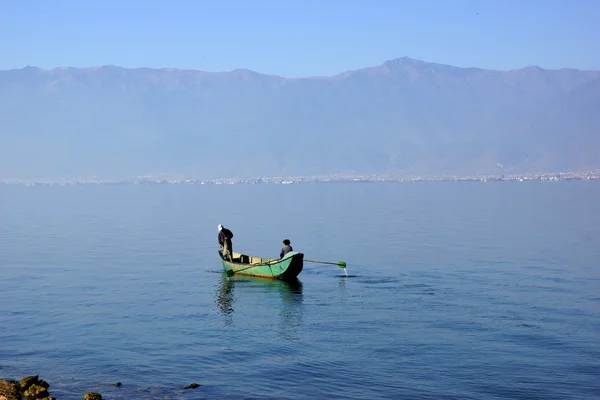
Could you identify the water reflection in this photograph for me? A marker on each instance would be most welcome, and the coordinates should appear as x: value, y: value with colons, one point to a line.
x: 224, y: 295
x: 291, y: 314
x: 290, y: 292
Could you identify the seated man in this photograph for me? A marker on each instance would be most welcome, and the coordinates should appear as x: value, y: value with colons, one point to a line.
x: 285, y: 249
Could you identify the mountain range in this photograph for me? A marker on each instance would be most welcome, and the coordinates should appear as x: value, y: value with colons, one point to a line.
x: 404, y: 117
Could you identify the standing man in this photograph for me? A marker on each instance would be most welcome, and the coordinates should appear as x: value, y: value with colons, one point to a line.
x: 225, y: 244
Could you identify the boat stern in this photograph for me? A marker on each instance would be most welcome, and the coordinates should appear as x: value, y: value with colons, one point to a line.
x: 294, y: 267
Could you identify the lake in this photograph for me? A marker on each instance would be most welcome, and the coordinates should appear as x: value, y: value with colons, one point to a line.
x: 454, y: 290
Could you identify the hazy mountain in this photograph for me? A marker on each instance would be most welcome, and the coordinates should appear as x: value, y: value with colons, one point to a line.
x: 405, y: 116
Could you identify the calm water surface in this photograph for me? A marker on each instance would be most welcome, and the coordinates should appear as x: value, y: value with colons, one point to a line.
x: 454, y: 291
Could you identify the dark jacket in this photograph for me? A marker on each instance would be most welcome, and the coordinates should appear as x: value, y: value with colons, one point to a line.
x: 284, y: 250
x: 225, y: 234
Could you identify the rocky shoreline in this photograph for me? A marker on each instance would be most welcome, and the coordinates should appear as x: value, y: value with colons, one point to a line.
x: 34, y: 388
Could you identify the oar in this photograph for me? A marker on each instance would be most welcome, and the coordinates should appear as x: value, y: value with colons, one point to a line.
x: 341, y: 264
x: 230, y: 272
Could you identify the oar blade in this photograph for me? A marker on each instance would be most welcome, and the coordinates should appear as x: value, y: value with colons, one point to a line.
x: 342, y: 264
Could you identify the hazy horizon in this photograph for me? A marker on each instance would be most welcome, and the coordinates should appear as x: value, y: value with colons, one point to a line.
x: 279, y: 75
x: 239, y: 90
x: 402, y: 117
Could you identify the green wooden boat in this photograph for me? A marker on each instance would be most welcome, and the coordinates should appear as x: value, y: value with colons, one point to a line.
x: 287, y: 268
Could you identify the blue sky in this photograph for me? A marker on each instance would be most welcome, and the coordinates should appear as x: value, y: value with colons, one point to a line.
x: 298, y: 38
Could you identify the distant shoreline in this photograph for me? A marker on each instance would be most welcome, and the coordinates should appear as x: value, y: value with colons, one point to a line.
x: 556, y: 176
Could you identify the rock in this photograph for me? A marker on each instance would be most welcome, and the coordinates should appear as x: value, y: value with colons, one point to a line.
x: 192, y: 386
x: 29, y: 388
x: 35, y: 391
x: 9, y: 390
x: 118, y: 384
x: 28, y: 381
x: 92, y: 396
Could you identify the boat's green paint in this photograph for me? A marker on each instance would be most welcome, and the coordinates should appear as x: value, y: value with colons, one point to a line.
x: 286, y: 268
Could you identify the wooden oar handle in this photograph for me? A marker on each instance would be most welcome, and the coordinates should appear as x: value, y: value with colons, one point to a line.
x: 339, y: 264
x: 321, y: 262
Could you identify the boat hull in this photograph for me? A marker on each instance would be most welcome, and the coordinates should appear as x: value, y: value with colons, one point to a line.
x: 287, y: 268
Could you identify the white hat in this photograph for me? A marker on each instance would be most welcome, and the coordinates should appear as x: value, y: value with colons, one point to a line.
x: 219, y: 227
